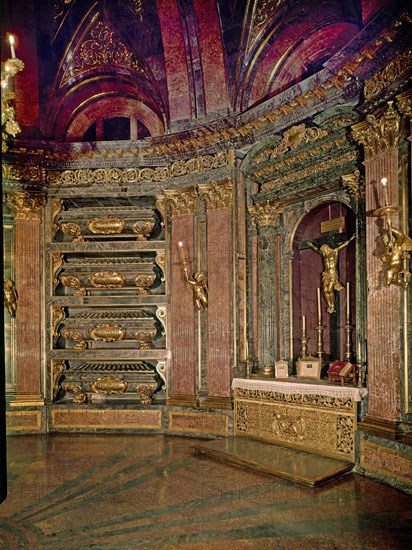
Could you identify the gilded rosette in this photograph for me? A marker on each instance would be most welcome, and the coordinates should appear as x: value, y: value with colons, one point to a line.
x: 72, y: 230
x: 145, y: 337
x: 144, y: 282
x: 142, y: 229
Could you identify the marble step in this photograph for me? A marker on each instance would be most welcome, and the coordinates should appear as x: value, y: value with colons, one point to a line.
x: 299, y: 466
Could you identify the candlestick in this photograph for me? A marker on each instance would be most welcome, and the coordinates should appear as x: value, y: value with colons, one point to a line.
x: 385, y: 191
x: 347, y: 302
x: 319, y: 308
x: 12, y: 50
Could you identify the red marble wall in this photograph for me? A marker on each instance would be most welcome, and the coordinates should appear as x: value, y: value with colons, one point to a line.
x: 28, y: 316
x: 220, y: 309
x: 183, y: 328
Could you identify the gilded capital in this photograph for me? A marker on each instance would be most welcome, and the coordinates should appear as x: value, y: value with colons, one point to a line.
x: 27, y: 206
x: 217, y: 195
x: 265, y: 213
x: 183, y: 202
x: 355, y: 184
x: 378, y: 134
x: 404, y: 103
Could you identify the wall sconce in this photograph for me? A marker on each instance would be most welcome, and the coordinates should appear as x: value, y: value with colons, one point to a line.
x: 9, y: 125
x: 393, y: 246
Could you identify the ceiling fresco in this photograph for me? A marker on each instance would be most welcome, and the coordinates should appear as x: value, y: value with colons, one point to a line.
x: 166, y: 65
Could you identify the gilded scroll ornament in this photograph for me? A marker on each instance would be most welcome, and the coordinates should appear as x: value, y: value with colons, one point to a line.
x: 18, y: 173
x: 145, y: 392
x: 161, y: 262
x: 107, y: 279
x: 109, y: 385
x: 106, y: 226
x: 265, y: 213
x: 72, y: 282
x: 289, y: 426
x: 74, y: 335
x: 56, y: 264
x: 107, y: 332
x: 145, y: 337
x: 72, y: 229
x: 330, y: 278
x: 217, y: 195
x: 58, y: 316
x: 161, y: 207
x: 390, y: 74
x: 144, y: 282
x: 10, y: 297
x: 355, y: 184
x: 142, y: 229
x: 161, y: 315
x: 58, y: 368
x: 56, y: 208
x: 161, y: 370
x: 80, y: 396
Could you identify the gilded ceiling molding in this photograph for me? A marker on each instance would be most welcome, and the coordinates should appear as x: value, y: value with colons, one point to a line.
x: 137, y: 6
x: 291, y: 139
x: 390, y: 74
x: 263, y: 12
x: 298, y: 158
x: 101, y: 49
x: 137, y: 175
x: 27, y: 206
x: 265, y: 213
x: 182, y: 202
x: 355, y: 183
x: 217, y: 195
x: 310, y: 171
x: 22, y: 173
x: 378, y: 134
x: 59, y: 7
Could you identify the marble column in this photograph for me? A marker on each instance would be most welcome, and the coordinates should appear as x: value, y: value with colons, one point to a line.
x: 266, y: 217
x: 27, y: 210
x: 181, y: 207
x: 220, y: 337
x: 384, y: 331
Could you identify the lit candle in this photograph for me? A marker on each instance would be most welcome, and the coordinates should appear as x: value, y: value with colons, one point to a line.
x: 347, y: 301
x: 303, y: 325
x: 319, y: 309
x: 384, y: 181
x: 12, y: 50
x: 181, y: 253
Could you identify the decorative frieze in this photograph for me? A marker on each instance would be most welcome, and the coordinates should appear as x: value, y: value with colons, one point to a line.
x: 217, y: 195
x: 22, y: 173
x: 104, y: 176
x: 390, y: 74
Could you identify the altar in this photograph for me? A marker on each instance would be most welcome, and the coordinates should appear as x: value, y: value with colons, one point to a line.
x: 310, y: 415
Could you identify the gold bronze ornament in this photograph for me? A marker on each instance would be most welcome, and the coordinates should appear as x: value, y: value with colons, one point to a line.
x: 10, y: 297
x: 106, y: 226
x: 109, y: 385
x: 107, y: 332
x: 107, y: 279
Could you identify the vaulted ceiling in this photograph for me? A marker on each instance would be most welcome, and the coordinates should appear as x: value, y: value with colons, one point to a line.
x: 166, y: 65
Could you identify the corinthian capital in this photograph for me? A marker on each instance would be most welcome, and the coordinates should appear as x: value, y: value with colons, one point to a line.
x: 355, y: 184
x: 378, y: 134
x: 265, y: 213
x: 217, y: 195
x: 27, y: 206
x: 182, y: 202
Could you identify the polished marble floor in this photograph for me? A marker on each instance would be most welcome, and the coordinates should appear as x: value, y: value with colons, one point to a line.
x: 153, y: 492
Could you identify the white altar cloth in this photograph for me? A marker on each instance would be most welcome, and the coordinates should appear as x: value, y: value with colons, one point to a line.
x: 296, y: 385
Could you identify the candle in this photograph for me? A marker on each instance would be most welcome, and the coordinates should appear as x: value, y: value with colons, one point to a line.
x: 303, y: 325
x: 359, y: 352
x: 347, y: 302
x: 384, y: 181
x: 11, y: 42
x: 319, y: 309
x: 181, y: 253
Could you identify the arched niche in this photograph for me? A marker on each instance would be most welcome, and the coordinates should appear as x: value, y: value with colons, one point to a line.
x: 329, y: 223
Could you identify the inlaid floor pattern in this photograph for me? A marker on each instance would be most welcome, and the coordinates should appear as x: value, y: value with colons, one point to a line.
x: 72, y: 491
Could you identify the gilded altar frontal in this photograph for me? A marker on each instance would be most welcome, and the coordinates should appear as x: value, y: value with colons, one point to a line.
x: 207, y: 213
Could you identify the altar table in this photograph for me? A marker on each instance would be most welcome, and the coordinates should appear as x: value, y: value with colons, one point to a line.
x: 310, y: 415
